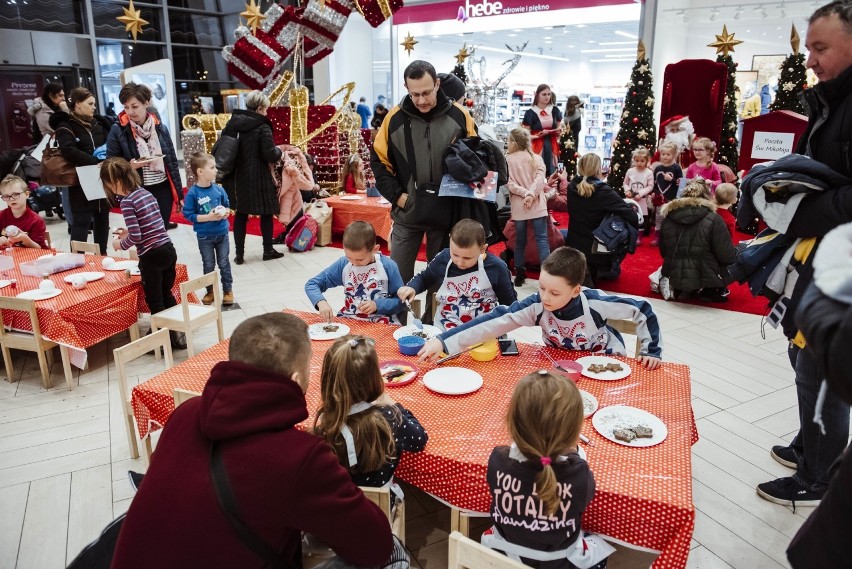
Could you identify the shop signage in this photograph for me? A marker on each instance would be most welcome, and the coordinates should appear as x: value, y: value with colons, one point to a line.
x: 463, y: 10
x: 772, y: 145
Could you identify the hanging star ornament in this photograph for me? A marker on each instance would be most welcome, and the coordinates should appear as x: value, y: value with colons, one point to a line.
x: 794, y: 40
x: 409, y: 43
x: 132, y: 20
x: 463, y: 54
x: 725, y: 42
x: 253, y: 16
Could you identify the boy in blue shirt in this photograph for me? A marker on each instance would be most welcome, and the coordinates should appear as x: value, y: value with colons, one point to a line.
x: 206, y: 206
x: 472, y: 281
x: 369, y: 279
x: 570, y: 316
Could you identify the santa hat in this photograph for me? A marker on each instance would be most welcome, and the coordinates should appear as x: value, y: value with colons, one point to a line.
x: 674, y: 121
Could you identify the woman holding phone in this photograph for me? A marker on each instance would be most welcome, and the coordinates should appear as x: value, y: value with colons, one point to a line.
x: 544, y: 121
x: 141, y: 139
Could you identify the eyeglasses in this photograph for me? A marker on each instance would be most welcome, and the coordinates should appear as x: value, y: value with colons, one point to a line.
x: 422, y: 95
x: 12, y: 196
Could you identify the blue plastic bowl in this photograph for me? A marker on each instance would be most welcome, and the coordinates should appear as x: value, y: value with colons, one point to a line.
x: 410, y: 345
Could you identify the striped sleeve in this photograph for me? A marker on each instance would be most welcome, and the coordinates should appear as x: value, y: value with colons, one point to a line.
x: 499, y: 321
x: 639, y: 312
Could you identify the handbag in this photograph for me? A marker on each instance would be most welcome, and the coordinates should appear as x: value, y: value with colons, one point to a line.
x: 319, y: 210
x: 56, y: 170
x: 226, y: 151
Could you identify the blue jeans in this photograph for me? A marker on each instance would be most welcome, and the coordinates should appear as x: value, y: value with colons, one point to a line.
x: 815, y: 451
x: 66, y: 205
x: 215, y: 249
x: 373, y: 192
x: 539, y: 226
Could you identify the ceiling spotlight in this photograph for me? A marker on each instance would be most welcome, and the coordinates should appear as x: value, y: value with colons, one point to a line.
x: 738, y: 13
x: 682, y: 14
x: 760, y: 10
x: 714, y: 14
x: 781, y: 11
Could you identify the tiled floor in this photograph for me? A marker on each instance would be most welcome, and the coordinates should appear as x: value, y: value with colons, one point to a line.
x: 64, y: 455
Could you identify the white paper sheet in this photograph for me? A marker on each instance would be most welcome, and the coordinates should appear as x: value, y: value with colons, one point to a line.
x: 90, y: 180
x: 39, y: 150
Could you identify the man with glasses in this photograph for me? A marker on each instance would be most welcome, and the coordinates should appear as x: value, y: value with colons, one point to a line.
x: 20, y: 226
x: 827, y: 139
x: 407, y: 160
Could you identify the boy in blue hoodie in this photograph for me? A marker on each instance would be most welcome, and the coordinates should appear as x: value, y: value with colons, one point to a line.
x: 369, y: 279
x: 570, y: 316
x: 206, y: 206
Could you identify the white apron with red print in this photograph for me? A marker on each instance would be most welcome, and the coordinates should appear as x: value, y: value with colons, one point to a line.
x: 362, y: 284
x: 463, y: 298
x: 579, y: 334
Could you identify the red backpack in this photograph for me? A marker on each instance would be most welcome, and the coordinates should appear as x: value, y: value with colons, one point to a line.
x: 303, y: 234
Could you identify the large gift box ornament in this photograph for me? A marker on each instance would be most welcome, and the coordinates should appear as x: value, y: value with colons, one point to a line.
x: 323, y: 21
x: 377, y: 11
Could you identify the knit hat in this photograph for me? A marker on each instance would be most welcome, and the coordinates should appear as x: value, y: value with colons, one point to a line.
x: 453, y: 87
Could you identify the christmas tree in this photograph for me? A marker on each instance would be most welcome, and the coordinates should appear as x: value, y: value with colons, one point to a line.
x: 567, y: 153
x: 793, y: 80
x: 727, y: 152
x: 458, y: 70
x: 637, y: 121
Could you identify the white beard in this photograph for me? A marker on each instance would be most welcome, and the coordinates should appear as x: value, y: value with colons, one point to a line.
x: 680, y: 138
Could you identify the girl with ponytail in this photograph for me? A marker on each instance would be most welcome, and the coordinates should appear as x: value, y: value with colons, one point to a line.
x: 542, y: 478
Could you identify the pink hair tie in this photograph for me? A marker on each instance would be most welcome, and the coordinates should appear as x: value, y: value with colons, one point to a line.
x: 545, y: 460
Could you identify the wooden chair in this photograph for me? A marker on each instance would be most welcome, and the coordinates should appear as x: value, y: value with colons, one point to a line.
x: 384, y: 499
x: 31, y: 342
x: 85, y: 248
x: 467, y: 554
x: 627, y: 327
x: 183, y: 395
x: 123, y: 356
x: 187, y: 317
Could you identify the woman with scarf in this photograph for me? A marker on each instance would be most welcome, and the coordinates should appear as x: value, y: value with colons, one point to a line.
x: 141, y: 139
x: 81, y: 134
x: 544, y: 120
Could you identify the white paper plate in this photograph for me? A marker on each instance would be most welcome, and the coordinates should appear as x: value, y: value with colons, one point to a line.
x: 383, y: 201
x: 316, y: 332
x: 121, y: 266
x: 624, y: 417
x: 38, y: 294
x: 453, y: 380
x: 90, y: 276
x: 4, y: 283
x: 590, y: 403
x: 430, y: 331
x: 351, y: 198
x: 606, y: 375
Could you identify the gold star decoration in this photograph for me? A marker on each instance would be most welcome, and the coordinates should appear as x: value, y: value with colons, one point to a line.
x: 409, y: 43
x: 253, y: 16
x: 643, y: 68
x: 463, y: 54
x: 725, y: 42
x: 643, y: 134
x: 794, y: 40
x: 132, y: 20
x: 649, y: 101
x: 640, y: 51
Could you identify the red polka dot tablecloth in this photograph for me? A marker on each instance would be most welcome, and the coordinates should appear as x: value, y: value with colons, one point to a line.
x: 643, y: 497
x: 366, y: 209
x: 80, y: 318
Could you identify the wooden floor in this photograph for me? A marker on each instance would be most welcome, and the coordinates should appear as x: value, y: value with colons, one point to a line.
x: 64, y: 455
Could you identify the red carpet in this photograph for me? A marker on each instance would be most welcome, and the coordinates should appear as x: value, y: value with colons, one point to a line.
x: 634, y: 270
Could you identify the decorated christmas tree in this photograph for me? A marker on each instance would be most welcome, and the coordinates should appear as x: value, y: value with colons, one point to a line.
x: 727, y: 152
x: 637, y: 121
x: 793, y: 79
x: 567, y: 153
x: 458, y: 70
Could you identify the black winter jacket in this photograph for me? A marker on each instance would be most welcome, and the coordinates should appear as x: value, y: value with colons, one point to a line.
x: 695, y: 245
x: 586, y: 214
x: 77, y: 141
x: 250, y: 186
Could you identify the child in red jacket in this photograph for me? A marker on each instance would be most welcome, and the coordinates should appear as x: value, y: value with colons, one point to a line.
x: 726, y: 196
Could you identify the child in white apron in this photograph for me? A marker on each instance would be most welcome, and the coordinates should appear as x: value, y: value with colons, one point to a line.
x: 472, y: 281
x: 570, y: 317
x: 369, y: 279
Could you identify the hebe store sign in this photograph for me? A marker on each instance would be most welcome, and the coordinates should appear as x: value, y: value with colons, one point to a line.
x: 463, y: 10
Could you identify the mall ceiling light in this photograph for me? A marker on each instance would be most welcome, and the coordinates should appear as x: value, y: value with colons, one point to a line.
x: 609, y: 49
x: 759, y: 10
x: 617, y: 43
x: 626, y: 34
x: 612, y: 60
x: 738, y: 13
x: 534, y: 55
x: 781, y: 11
x: 714, y: 13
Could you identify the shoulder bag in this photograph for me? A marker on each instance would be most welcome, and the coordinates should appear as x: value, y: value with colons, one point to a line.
x: 56, y: 170
x: 226, y: 151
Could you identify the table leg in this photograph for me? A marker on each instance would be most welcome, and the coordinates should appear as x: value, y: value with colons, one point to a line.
x: 66, y: 366
x: 459, y: 522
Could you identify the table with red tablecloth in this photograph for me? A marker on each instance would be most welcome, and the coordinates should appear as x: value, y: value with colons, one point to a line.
x: 80, y: 318
x: 643, y: 496
x: 375, y: 211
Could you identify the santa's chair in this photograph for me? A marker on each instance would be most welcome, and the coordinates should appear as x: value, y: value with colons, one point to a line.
x: 695, y: 88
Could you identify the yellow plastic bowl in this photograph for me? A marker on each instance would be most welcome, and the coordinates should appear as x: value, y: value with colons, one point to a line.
x: 486, y: 352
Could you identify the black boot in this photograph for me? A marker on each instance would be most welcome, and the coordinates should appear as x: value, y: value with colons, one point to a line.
x: 272, y: 254
x: 178, y: 340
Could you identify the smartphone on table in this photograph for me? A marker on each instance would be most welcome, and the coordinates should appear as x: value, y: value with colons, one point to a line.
x: 508, y: 347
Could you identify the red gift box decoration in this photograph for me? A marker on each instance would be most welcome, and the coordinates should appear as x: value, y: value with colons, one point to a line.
x: 323, y: 23
x: 323, y: 146
x: 377, y: 11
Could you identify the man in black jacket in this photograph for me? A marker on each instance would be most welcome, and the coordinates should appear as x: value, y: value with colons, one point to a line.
x: 407, y: 160
x: 828, y: 139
